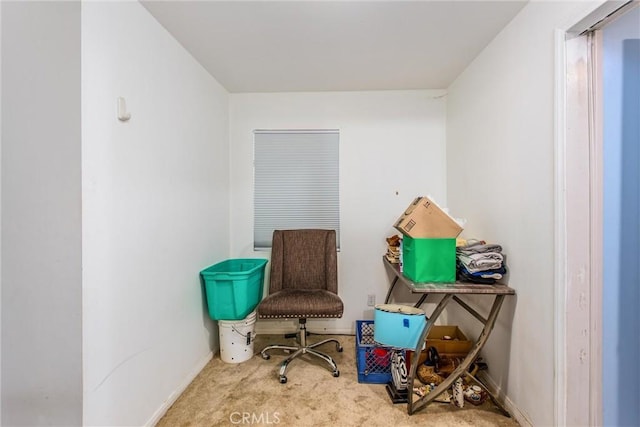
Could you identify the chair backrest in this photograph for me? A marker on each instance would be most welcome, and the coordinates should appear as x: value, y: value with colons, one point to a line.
x: 304, y: 259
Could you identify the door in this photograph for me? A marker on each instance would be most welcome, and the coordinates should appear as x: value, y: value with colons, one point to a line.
x: 619, y: 47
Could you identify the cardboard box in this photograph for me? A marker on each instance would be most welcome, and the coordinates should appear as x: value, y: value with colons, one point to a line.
x: 457, y: 348
x: 424, y: 218
x: 458, y: 345
x: 429, y: 260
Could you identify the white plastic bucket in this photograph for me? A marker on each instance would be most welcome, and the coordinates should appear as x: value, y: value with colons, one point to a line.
x: 236, y: 339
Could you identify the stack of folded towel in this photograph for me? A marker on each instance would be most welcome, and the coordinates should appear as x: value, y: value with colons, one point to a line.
x: 480, y: 262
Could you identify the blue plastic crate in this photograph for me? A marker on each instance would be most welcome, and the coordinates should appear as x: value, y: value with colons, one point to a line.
x: 234, y: 287
x: 373, y: 360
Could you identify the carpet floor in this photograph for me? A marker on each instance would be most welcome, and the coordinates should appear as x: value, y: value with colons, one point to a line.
x: 249, y: 393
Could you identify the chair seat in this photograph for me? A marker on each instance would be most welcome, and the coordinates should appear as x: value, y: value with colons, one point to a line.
x: 301, y: 303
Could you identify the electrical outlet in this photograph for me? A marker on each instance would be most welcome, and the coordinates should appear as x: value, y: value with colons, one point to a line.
x: 371, y: 300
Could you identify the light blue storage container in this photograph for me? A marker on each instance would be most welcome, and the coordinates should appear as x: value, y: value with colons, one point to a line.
x: 398, y: 326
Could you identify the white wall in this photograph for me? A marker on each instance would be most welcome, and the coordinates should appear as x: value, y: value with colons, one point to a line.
x: 500, y: 157
x: 155, y: 212
x: 389, y: 141
x: 41, y: 213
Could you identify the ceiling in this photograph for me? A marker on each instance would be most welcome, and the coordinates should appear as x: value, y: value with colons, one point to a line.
x: 284, y: 46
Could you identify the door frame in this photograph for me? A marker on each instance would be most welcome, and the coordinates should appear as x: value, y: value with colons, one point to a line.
x: 577, y: 293
x: 579, y: 240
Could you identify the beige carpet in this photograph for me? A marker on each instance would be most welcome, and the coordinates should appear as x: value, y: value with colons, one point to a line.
x: 249, y: 393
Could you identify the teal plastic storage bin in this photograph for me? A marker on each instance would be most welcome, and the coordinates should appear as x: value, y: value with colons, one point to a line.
x: 234, y: 287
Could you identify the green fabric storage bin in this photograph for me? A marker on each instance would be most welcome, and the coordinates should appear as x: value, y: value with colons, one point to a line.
x: 429, y: 260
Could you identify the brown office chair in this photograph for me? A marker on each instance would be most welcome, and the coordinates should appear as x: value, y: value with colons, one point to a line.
x: 303, y: 284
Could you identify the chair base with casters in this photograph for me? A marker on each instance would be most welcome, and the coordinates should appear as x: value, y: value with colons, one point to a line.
x: 303, y: 349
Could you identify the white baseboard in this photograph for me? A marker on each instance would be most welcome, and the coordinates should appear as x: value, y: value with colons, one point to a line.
x: 178, y: 391
x: 515, y: 412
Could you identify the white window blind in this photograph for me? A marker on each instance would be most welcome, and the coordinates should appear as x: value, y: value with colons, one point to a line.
x: 295, y: 182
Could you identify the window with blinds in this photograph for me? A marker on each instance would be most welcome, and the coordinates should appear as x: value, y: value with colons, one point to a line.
x: 295, y: 182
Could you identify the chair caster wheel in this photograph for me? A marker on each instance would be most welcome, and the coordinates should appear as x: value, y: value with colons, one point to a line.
x: 336, y: 373
x: 266, y: 356
x: 339, y: 348
x: 283, y: 379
